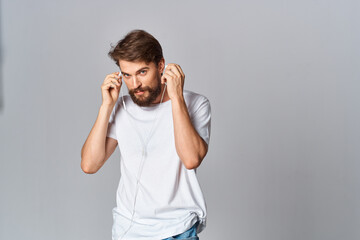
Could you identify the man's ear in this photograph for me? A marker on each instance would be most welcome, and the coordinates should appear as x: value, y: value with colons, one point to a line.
x: 161, y: 66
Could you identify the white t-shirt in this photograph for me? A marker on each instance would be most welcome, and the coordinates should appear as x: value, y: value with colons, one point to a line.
x: 169, y: 199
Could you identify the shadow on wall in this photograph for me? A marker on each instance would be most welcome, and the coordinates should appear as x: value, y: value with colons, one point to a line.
x: 1, y: 70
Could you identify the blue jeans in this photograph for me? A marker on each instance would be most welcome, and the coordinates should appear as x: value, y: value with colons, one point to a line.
x: 188, y: 235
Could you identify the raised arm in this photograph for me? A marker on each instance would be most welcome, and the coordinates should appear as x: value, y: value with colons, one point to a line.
x: 97, y: 147
x: 190, y: 146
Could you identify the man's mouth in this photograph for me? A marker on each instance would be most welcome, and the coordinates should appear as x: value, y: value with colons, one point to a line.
x: 139, y: 92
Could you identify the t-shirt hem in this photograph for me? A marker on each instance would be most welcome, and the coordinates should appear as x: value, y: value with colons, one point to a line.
x: 181, y: 230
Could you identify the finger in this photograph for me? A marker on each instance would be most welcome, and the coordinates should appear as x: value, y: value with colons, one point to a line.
x: 163, y: 79
x: 112, y: 77
x: 167, y: 77
x: 180, y: 70
x: 111, y: 85
x: 172, y: 74
x: 116, y: 82
x: 171, y: 68
x: 113, y: 74
x: 176, y: 70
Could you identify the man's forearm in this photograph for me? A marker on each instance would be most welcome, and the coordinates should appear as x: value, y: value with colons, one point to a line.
x: 190, y: 147
x: 93, y: 151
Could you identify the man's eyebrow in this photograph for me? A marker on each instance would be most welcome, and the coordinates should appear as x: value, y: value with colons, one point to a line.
x: 137, y: 70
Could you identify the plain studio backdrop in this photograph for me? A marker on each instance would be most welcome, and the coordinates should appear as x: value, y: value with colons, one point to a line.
x: 283, y: 81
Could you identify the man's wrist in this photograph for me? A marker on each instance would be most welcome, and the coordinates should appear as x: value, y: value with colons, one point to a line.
x: 106, y: 108
x: 178, y: 99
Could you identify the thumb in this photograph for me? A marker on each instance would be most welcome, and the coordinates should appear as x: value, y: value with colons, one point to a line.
x: 163, y: 80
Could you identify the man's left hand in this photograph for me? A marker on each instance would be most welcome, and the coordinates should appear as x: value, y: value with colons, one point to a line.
x: 174, y: 78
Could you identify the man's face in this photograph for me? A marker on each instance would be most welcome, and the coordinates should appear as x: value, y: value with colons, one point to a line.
x: 143, y: 81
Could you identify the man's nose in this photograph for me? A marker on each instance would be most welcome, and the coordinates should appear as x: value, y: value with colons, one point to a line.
x: 136, y: 82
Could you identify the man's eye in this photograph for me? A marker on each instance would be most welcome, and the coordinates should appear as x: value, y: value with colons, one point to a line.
x: 143, y: 71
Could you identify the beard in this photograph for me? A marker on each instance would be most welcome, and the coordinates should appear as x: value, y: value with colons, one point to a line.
x: 143, y: 101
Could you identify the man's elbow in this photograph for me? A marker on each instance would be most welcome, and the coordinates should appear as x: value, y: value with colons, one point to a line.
x: 86, y: 168
x: 193, y: 163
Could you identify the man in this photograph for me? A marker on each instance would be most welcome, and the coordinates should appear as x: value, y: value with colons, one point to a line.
x: 162, y: 132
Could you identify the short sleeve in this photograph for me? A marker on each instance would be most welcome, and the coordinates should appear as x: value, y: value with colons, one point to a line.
x: 111, y: 130
x: 201, y: 119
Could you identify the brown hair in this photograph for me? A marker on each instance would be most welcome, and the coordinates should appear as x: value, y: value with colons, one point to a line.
x: 137, y: 45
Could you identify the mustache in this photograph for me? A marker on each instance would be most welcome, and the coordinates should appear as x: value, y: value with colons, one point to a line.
x: 140, y: 89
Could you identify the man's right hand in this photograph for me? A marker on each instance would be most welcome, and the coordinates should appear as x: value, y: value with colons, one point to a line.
x: 110, y: 89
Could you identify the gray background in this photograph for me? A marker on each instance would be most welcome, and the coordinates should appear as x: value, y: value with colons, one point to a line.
x: 283, y: 81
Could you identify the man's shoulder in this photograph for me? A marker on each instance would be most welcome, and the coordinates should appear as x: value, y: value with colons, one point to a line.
x: 194, y: 100
x: 191, y: 96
